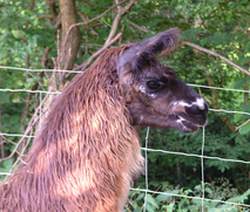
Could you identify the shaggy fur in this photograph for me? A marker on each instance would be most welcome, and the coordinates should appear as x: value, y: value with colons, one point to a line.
x: 83, y: 159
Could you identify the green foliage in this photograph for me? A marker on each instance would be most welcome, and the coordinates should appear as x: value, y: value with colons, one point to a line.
x: 244, y: 130
x: 188, y: 200
x: 219, y: 25
x: 5, y: 167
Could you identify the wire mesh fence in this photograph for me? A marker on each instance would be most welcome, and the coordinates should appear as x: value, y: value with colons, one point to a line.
x: 146, y: 149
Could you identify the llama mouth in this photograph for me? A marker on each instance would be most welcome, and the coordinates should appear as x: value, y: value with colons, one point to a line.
x: 187, y: 125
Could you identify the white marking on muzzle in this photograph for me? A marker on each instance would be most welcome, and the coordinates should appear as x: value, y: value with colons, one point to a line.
x: 199, y: 102
x: 180, y: 120
x: 182, y: 103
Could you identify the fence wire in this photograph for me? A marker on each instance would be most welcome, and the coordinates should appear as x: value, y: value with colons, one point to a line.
x: 145, y: 149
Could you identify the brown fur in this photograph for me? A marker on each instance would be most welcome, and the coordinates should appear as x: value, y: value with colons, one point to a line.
x: 83, y: 158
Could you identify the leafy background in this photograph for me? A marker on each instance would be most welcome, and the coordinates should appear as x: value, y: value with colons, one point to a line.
x: 26, y: 31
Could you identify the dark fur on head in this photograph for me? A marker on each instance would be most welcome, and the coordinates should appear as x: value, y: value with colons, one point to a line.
x: 142, y: 54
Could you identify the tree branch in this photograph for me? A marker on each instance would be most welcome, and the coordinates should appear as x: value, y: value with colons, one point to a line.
x: 98, y: 52
x: 242, y: 125
x: 31, y: 125
x: 138, y: 27
x: 95, y: 18
x: 112, y: 37
x: 120, y: 12
x: 115, y: 23
x: 215, y: 54
x: 107, y: 44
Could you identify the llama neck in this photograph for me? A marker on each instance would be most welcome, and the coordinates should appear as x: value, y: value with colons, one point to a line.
x: 77, y: 144
x: 76, y: 134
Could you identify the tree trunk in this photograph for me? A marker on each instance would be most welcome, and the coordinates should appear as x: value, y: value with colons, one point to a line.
x: 70, y: 35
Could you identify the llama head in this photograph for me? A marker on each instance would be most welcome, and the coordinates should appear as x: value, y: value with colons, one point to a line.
x: 154, y: 95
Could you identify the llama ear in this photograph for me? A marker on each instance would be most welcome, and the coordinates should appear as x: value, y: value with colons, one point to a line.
x: 140, y: 54
x: 164, y: 43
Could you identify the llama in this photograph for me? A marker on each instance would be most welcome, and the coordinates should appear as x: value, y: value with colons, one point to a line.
x: 87, y: 152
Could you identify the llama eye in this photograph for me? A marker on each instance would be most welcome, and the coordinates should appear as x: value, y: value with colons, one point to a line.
x: 155, y: 85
